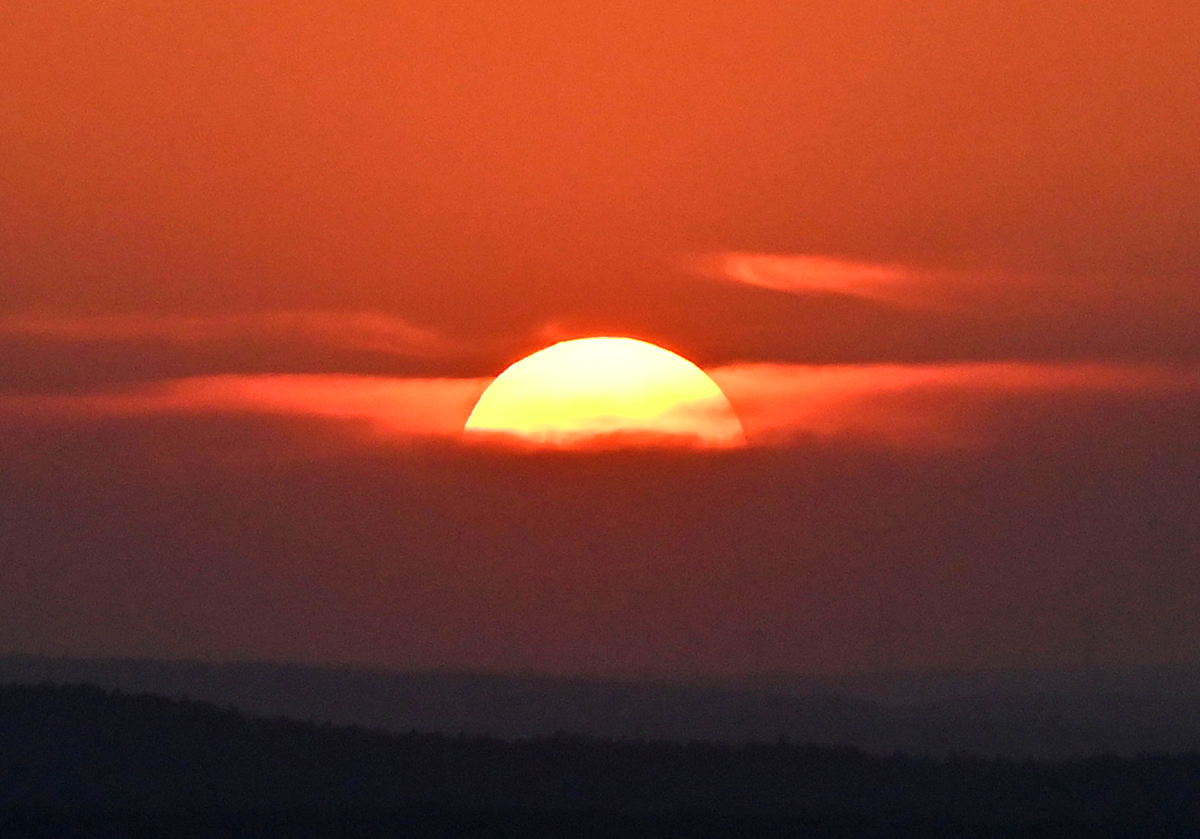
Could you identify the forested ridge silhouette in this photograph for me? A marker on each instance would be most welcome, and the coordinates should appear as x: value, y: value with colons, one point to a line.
x: 1045, y: 714
x: 81, y: 761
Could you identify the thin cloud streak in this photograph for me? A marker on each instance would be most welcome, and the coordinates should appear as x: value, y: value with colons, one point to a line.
x: 373, y: 331
x: 807, y: 273
x: 905, y: 406
x: 387, y: 408
x: 920, y: 406
x: 986, y: 292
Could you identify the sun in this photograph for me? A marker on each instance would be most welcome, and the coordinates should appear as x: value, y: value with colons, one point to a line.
x: 608, y: 392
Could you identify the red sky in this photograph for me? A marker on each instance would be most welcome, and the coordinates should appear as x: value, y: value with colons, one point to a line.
x: 256, y: 261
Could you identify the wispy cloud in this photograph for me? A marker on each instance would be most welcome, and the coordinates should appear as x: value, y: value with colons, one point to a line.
x: 941, y: 406
x: 988, y: 292
x: 374, y: 331
x: 807, y: 272
x: 922, y: 406
x: 389, y: 408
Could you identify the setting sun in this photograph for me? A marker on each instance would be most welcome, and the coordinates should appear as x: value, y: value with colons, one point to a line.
x: 592, y: 390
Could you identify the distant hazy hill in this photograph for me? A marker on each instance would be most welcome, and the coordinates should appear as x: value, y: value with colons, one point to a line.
x: 78, y: 761
x: 1017, y: 713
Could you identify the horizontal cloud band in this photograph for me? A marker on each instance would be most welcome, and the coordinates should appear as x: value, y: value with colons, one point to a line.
x: 903, y: 405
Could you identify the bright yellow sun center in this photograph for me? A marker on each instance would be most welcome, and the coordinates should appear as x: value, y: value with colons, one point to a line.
x: 606, y: 389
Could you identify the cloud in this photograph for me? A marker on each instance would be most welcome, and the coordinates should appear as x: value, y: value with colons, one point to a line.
x: 82, y: 354
x: 916, y: 406
x: 981, y: 291
x: 387, y: 408
x: 807, y: 273
x: 373, y: 331
x: 923, y: 405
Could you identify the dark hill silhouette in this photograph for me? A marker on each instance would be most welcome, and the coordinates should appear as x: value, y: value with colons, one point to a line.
x: 1010, y: 713
x: 79, y: 758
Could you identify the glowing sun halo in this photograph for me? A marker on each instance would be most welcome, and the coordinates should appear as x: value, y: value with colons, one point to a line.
x: 605, y: 391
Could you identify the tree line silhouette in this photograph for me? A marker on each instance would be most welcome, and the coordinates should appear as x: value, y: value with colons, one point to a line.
x: 80, y: 761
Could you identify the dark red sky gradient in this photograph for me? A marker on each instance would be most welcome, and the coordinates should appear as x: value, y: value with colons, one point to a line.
x: 216, y: 539
x: 973, y: 429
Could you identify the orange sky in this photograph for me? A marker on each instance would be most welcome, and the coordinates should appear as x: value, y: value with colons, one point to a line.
x: 492, y: 170
x: 944, y: 257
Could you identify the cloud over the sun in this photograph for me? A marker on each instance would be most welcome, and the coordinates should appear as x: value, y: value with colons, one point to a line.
x: 936, y: 406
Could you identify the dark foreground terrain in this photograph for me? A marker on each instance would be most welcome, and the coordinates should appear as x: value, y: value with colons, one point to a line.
x: 1047, y: 714
x: 80, y: 761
